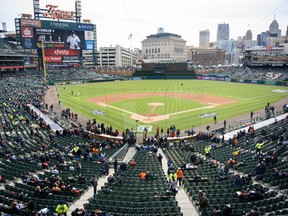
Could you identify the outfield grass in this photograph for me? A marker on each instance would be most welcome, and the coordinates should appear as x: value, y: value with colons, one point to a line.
x: 249, y: 97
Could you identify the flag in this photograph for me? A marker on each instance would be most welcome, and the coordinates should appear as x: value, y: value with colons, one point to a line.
x: 130, y: 36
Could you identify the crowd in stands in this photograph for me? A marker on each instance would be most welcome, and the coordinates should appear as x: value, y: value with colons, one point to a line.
x: 262, y: 156
x: 68, y: 158
x: 257, y: 73
x: 73, y: 74
x: 70, y: 161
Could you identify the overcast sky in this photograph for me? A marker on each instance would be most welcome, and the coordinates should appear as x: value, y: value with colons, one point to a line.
x: 117, y: 19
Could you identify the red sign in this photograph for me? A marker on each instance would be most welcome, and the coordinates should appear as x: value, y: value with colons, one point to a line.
x: 53, y: 59
x: 27, y: 32
x: 58, y: 14
x: 11, y: 67
x: 62, y: 52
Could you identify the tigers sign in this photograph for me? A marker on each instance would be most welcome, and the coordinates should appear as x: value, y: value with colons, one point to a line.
x: 54, y: 13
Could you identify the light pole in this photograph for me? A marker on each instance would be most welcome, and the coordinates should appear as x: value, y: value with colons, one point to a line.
x: 194, y: 53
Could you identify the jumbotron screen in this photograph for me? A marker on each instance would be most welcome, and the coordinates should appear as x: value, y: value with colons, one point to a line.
x: 58, y: 35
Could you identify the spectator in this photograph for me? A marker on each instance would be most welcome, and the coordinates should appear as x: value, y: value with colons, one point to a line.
x: 132, y: 162
x: 173, y: 185
x: 239, y: 181
x: 169, y: 162
x: 259, y: 145
x: 179, y: 175
x: 254, y: 212
x: 30, y: 206
x: 251, y: 116
x: 227, y: 210
x: 225, y: 124
x: 142, y: 175
x: 13, y: 208
x: 115, y: 165
x: 172, y: 175
x: 203, y: 203
x: 76, y: 212
x: 207, y: 151
x: 193, y: 158
x: 62, y: 208
x: 94, y: 183
x: 159, y: 158
x: 123, y: 167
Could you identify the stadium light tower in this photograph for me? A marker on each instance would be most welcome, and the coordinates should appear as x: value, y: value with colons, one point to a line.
x: 78, y: 10
x: 36, y: 7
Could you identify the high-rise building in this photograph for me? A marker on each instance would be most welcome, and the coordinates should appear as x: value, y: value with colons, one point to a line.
x: 248, y: 35
x: 116, y: 57
x: 223, y: 32
x: 227, y: 45
x: 262, y: 39
x: 274, y: 30
x: 164, y: 46
x: 204, y: 38
x: 287, y: 31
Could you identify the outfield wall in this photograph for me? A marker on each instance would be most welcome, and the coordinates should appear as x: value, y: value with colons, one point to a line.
x: 187, y: 75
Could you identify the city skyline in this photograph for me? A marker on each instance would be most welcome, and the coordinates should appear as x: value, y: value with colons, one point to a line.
x: 116, y: 20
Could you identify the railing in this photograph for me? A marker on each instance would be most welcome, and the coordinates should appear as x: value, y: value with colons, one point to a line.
x: 247, y: 122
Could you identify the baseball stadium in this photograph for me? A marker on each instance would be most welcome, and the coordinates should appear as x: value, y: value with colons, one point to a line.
x: 158, y: 139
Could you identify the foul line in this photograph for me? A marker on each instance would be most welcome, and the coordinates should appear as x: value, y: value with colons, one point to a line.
x: 159, y: 116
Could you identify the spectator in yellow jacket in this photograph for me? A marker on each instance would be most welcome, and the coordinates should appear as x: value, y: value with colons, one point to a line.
x: 62, y: 208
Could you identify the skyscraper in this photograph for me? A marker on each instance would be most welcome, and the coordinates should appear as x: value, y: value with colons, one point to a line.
x: 204, y: 38
x: 287, y: 31
x: 248, y: 35
x: 274, y: 30
x: 223, y: 32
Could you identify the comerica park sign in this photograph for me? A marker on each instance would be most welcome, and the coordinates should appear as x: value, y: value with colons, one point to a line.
x: 54, y: 13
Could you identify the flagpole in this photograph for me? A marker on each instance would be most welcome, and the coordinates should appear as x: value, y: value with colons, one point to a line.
x: 131, y: 47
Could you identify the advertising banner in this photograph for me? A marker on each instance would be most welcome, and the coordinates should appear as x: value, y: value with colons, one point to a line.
x: 89, y: 35
x: 61, y: 52
x: 70, y: 59
x: 66, y: 25
x: 27, y: 43
x: 30, y: 22
x: 53, y: 59
x: 89, y: 44
x: 85, y: 27
x: 27, y: 32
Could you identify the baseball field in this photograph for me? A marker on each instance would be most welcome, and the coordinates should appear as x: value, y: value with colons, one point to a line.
x: 151, y: 103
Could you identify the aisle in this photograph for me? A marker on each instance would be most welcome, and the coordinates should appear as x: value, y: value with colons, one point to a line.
x: 88, y: 194
x: 182, y: 198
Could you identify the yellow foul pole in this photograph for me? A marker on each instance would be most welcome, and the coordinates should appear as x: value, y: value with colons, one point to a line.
x: 43, y: 60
